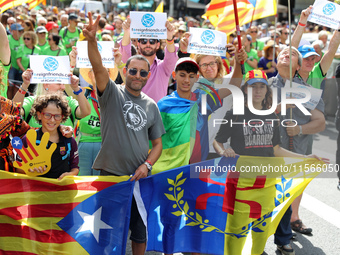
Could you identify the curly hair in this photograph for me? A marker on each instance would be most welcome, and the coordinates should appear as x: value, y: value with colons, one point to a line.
x: 267, y: 101
x: 42, y: 101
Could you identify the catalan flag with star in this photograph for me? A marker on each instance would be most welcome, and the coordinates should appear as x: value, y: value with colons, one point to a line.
x: 77, y: 215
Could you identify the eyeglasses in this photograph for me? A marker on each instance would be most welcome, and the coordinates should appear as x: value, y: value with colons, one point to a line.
x: 133, y: 72
x: 211, y: 64
x: 254, y: 32
x: 42, y: 24
x: 286, y: 33
x: 48, y: 116
x: 27, y: 39
x: 145, y: 41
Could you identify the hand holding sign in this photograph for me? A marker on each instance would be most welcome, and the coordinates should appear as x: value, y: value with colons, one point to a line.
x: 36, y: 159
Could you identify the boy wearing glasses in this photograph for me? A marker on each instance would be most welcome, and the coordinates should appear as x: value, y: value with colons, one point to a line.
x: 161, y: 70
x: 129, y: 120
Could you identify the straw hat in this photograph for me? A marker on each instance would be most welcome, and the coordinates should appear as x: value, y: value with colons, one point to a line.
x: 270, y: 44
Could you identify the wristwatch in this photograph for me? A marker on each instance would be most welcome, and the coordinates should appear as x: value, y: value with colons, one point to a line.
x: 148, y: 165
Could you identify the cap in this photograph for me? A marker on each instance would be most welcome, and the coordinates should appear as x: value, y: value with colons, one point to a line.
x: 249, y: 38
x: 72, y: 16
x: 33, y: 12
x: 307, y: 51
x: 109, y: 27
x: 182, y: 28
x: 41, y: 29
x: 186, y: 60
x: 270, y: 44
x: 264, y: 26
x: 256, y: 76
x: 16, y: 26
x: 51, y: 25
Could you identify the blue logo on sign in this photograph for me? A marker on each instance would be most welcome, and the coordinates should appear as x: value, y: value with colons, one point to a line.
x: 208, y: 37
x: 99, y: 47
x: 329, y: 9
x: 148, y: 20
x: 50, y: 64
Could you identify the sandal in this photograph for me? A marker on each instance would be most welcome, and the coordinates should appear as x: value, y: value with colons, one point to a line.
x: 299, y: 227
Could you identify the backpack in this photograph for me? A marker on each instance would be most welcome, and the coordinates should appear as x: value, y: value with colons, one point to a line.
x: 66, y: 29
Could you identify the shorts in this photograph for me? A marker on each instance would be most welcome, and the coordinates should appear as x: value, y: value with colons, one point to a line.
x: 137, y: 227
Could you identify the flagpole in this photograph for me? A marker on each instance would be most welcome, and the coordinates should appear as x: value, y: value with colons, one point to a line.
x: 238, y: 32
x: 277, y: 2
x: 291, y: 146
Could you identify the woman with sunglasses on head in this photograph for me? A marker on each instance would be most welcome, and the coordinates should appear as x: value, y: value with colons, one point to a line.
x: 29, y: 48
x: 53, y: 48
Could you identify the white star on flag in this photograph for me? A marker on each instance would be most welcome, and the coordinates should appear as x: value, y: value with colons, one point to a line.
x: 93, y: 223
x: 16, y: 142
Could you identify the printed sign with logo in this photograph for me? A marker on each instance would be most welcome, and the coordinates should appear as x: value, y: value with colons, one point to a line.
x: 325, y: 13
x: 48, y: 69
x: 105, y: 49
x: 315, y: 94
x: 206, y: 41
x: 148, y: 25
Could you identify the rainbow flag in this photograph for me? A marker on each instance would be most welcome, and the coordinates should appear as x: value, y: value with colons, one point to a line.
x: 78, y: 215
x: 221, y: 12
x: 207, y: 208
x: 179, y: 117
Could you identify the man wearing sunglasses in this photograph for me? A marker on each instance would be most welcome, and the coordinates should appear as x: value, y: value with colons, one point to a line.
x: 161, y: 70
x: 129, y: 119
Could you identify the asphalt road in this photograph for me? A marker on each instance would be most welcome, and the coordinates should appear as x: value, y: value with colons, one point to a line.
x: 320, y: 206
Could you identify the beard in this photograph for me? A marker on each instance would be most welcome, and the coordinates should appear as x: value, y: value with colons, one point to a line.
x: 149, y: 52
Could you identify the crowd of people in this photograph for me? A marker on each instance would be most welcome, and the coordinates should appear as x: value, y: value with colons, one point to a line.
x: 118, y: 112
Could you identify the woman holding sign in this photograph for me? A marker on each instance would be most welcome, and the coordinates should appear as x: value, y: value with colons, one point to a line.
x: 53, y: 49
x: 29, y: 48
x: 79, y: 109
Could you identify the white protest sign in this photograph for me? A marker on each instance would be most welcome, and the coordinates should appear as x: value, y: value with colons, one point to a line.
x: 105, y: 49
x: 149, y: 25
x: 206, y: 41
x: 48, y: 69
x: 315, y: 94
x: 325, y: 13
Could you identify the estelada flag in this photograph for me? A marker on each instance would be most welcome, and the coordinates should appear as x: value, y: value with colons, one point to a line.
x: 226, y: 206
x: 7, y: 4
x: 221, y: 12
x: 77, y: 215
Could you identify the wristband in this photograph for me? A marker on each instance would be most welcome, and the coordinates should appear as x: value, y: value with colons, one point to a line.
x: 302, y: 25
x: 170, y: 39
x: 170, y: 42
x: 148, y: 162
x: 78, y: 92
x: 121, y: 65
x: 22, y: 91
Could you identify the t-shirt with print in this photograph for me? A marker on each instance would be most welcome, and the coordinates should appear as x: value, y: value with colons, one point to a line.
x: 14, y: 46
x: 24, y: 53
x: 257, y: 137
x: 265, y: 64
x: 127, y: 124
x: 69, y: 37
x: 90, y: 125
x: 27, y: 105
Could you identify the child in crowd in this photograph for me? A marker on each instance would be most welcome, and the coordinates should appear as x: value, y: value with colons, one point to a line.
x: 50, y: 110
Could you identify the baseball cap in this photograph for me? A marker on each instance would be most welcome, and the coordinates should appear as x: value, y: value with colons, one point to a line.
x: 187, y: 60
x: 256, y: 76
x: 51, y: 25
x: 41, y: 29
x: 307, y: 50
x: 73, y: 16
x: 16, y: 26
x: 182, y: 28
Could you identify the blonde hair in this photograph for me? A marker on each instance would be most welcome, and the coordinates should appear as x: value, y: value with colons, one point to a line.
x: 32, y: 35
x: 221, y: 69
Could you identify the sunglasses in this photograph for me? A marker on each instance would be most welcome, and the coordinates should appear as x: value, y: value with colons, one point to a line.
x: 49, y: 116
x: 254, y: 32
x: 133, y: 72
x: 50, y: 39
x: 27, y: 39
x: 42, y: 24
x: 145, y: 41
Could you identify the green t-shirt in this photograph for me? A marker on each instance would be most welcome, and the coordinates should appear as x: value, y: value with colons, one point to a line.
x: 42, y: 47
x: 47, y: 51
x: 252, y: 54
x: 316, y: 77
x: 90, y: 125
x: 24, y: 53
x: 4, y: 86
x: 14, y: 46
x: 68, y: 37
x: 27, y: 105
x: 258, y: 45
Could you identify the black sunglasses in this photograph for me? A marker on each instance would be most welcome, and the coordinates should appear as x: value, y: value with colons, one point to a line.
x: 133, y: 72
x: 26, y: 38
x: 145, y: 41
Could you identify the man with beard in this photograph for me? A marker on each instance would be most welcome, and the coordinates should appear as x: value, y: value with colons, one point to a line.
x: 161, y: 70
x: 129, y: 119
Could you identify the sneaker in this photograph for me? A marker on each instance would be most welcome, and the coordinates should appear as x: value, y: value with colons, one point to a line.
x: 286, y: 249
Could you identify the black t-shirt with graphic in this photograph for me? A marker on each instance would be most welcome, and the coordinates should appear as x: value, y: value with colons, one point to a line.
x: 250, y: 134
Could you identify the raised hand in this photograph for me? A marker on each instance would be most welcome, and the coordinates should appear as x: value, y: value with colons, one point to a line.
x: 36, y: 159
x: 91, y: 29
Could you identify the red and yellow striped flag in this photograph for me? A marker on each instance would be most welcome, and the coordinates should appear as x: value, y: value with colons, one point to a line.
x: 7, y: 4
x: 34, y: 3
x: 221, y: 12
x: 31, y: 209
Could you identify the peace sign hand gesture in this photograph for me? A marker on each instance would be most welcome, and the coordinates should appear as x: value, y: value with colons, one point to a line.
x: 91, y: 29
